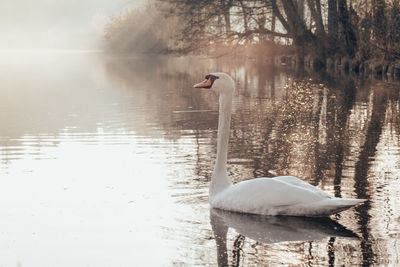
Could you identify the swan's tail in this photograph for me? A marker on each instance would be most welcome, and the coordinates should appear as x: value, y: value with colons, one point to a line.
x: 335, y: 205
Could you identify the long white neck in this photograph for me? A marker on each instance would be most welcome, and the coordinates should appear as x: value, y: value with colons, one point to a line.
x: 220, y: 179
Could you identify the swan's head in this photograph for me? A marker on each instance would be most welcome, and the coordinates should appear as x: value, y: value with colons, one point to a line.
x: 218, y: 82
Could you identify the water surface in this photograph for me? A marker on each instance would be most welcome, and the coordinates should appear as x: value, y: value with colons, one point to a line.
x: 106, y: 161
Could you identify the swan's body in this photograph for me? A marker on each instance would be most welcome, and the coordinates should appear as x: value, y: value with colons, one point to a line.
x: 283, y: 195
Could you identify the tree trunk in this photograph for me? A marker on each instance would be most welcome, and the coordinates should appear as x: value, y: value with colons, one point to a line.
x: 226, y: 6
x: 320, y: 23
x: 300, y: 8
x: 320, y: 62
x: 279, y: 15
x: 303, y: 38
x: 296, y: 24
x: 317, y: 16
x: 332, y: 20
x: 273, y: 22
x: 347, y: 30
x: 244, y: 11
x: 227, y: 17
x: 379, y: 21
x: 261, y: 26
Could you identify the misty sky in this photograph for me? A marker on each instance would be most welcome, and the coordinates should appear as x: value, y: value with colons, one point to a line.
x: 56, y: 24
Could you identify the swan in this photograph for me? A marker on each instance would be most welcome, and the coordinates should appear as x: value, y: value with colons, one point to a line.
x: 282, y: 195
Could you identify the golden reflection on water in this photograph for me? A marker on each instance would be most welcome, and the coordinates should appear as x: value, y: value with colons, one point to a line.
x: 108, y: 159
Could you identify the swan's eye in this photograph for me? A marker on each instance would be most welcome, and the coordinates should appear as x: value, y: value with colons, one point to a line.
x: 212, y: 77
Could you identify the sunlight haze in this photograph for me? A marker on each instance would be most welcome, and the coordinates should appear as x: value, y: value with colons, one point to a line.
x: 64, y: 24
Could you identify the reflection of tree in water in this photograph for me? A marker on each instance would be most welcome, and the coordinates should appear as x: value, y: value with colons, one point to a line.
x: 338, y: 138
x: 272, y: 240
x: 367, y: 154
x: 237, y: 252
x: 303, y: 129
x: 338, y: 111
x: 295, y: 112
x: 272, y: 128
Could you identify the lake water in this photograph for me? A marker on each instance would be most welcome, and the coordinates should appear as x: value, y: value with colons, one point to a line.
x: 106, y: 161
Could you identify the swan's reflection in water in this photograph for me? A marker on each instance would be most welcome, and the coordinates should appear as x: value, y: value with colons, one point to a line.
x: 271, y: 229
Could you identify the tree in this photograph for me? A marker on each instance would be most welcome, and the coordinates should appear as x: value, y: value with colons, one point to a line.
x: 143, y: 30
x: 320, y: 28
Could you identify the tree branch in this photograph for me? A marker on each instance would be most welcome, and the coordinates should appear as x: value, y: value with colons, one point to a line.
x: 278, y: 14
x: 259, y: 31
x: 316, y: 14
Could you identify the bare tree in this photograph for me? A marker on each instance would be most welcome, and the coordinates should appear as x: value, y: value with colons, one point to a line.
x: 321, y: 28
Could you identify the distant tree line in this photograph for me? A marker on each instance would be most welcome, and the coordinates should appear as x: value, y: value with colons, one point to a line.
x: 141, y: 30
x: 358, y: 29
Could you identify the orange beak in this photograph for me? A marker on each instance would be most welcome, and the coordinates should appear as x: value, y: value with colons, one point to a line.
x: 204, y: 84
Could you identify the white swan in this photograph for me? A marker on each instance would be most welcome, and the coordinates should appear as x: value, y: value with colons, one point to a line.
x: 283, y: 195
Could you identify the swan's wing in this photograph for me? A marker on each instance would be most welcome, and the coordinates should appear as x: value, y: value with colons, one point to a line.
x: 297, y: 182
x: 263, y: 195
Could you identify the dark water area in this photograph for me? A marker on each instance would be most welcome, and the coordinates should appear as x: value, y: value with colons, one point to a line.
x: 109, y: 159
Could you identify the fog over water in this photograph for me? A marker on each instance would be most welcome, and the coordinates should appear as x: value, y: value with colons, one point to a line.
x: 106, y: 161
x: 63, y: 24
